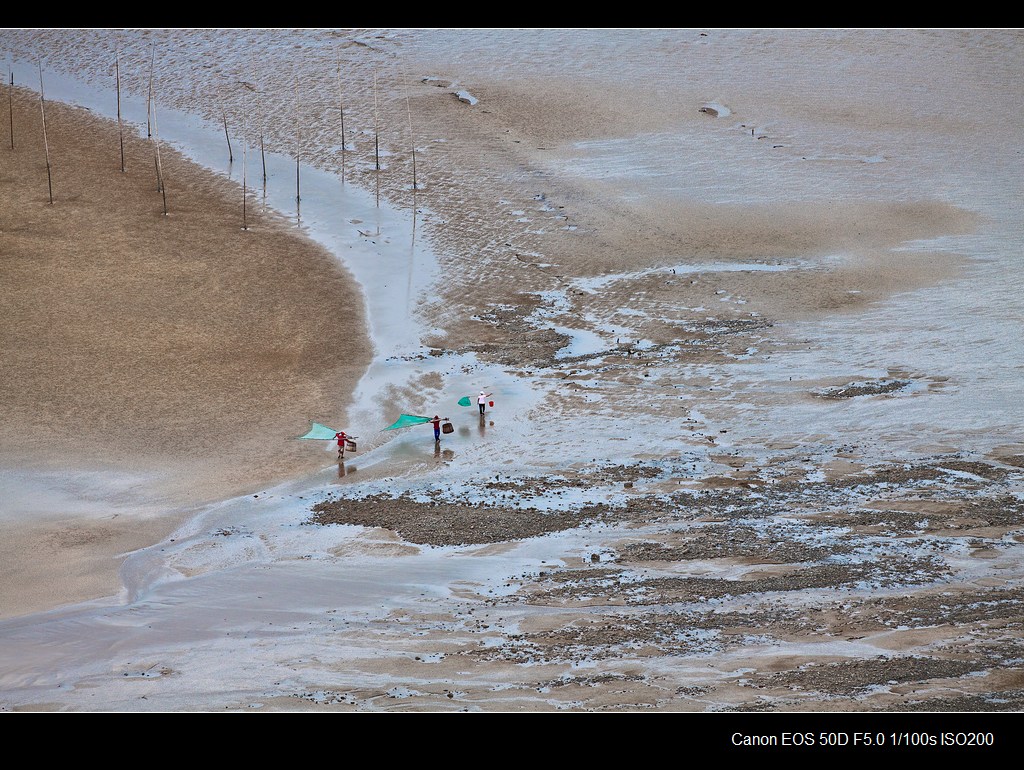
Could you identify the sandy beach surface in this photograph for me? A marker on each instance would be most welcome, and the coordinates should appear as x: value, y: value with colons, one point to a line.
x: 744, y: 306
x: 161, y: 358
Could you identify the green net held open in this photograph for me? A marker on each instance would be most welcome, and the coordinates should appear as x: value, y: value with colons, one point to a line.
x: 321, y: 432
x: 405, y: 420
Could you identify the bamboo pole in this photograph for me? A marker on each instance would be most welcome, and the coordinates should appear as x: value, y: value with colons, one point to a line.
x: 341, y: 111
x: 149, y: 97
x: 46, y: 144
x: 231, y: 157
x: 412, y: 142
x: 245, y: 192
x: 245, y: 153
x: 120, y: 127
x: 376, y: 138
x: 259, y: 118
x: 10, y: 106
x: 263, y: 157
x: 151, y: 119
x: 298, y: 139
x: 376, y: 133
x: 159, y: 166
x: 412, y: 238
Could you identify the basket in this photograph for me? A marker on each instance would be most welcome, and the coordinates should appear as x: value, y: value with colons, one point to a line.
x: 351, y: 445
x: 447, y: 428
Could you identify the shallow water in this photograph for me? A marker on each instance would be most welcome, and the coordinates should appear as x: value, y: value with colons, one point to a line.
x: 854, y: 116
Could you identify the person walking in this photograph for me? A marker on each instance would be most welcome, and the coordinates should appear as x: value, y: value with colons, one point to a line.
x: 481, y: 401
x: 437, y: 427
x: 341, y: 438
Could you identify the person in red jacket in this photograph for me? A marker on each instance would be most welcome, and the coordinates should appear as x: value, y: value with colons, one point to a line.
x: 341, y: 437
x: 437, y: 427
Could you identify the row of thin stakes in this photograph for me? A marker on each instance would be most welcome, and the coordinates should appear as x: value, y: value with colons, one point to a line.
x: 152, y: 135
x: 151, y: 129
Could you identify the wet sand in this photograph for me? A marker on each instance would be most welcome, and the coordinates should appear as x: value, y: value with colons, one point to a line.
x: 177, y: 353
x: 151, y: 362
x: 719, y: 584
